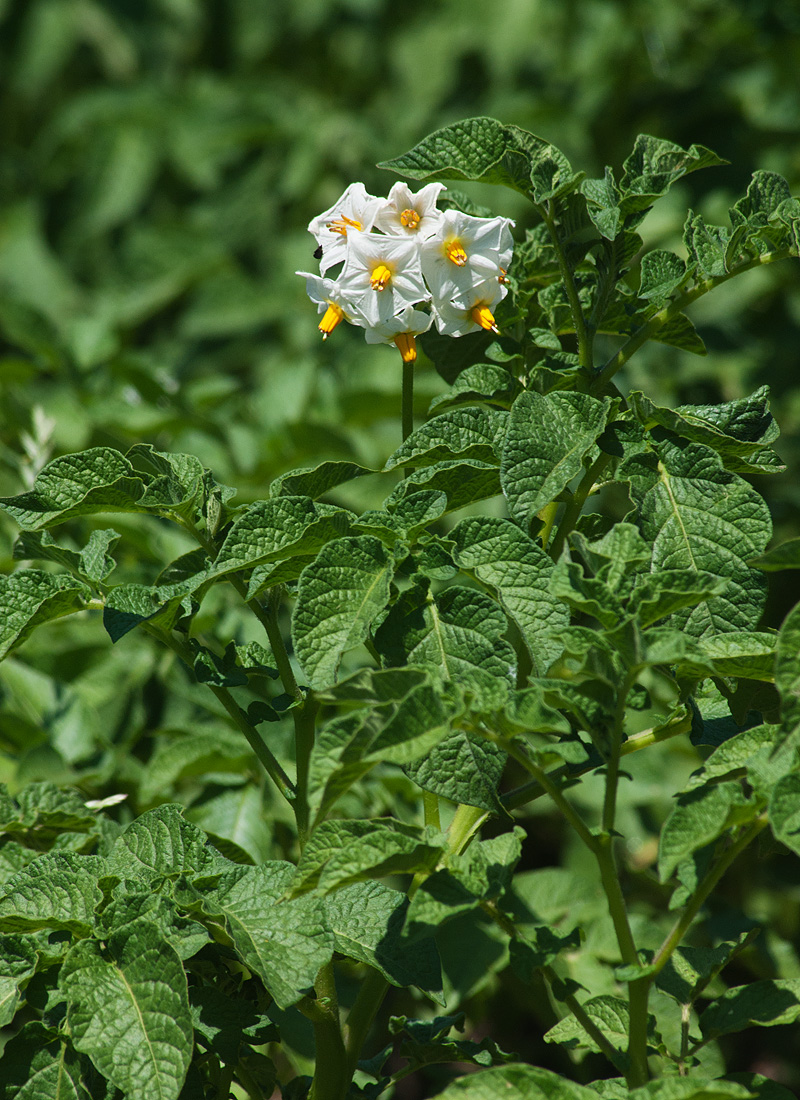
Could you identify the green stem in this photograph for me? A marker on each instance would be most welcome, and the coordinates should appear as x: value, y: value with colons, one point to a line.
x: 430, y: 808
x: 548, y: 517
x: 673, y: 308
x: 528, y: 792
x: 254, y: 738
x: 548, y: 786
x: 407, y: 407
x: 581, y: 332
x: 575, y: 506
x: 582, y: 1016
x: 612, y: 767
x: 703, y: 889
x: 361, y: 1015
x: 304, y: 730
x: 331, y: 1077
x: 466, y: 822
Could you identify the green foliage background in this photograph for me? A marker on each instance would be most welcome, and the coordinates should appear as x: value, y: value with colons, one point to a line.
x: 160, y: 162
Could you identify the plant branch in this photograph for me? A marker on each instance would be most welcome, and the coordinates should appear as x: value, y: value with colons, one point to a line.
x: 676, y: 306
x: 582, y: 334
x: 703, y: 889
x: 583, y: 1018
x: 575, y: 506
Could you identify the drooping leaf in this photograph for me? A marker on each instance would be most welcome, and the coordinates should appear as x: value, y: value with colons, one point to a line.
x: 367, y: 923
x: 339, y: 595
x: 765, y: 1003
x: 701, y: 517
x: 505, y: 557
x: 30, y: 597
x: 548, y: 437
x: 699, y: 817
x: 58, y: 890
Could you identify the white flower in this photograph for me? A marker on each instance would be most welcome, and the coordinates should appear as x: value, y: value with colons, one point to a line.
x: 401, y: 330
x: 332, y: 301
x: 353, y: 213
x: 385, y: 267
x: 408, y: 214
x: 464, y: 252
x: 470, y: 311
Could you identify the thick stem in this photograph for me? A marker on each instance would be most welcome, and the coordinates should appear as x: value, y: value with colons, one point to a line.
x: 359, y: 1019
x: 430, y: 808
x: 331, y: 1076
x: 615, y: 751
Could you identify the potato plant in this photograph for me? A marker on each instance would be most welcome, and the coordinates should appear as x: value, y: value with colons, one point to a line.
x: 562, y: 579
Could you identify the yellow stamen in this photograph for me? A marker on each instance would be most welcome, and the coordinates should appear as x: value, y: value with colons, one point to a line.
x: 410, y: 219
x: 484, y: 317
x: 340, y: 225
x: 407, y: 346
x: 454, y: 251
x: 330, y: 319
x: 503, y: 276
x: 381, y: 277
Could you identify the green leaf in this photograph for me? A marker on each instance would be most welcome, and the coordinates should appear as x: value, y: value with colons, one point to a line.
x: 463, y: 481
x: 284, y: 942
x: 515, y: 1082
x: 38, y: 1065
x: 784, y: 811
x: 342, y: 852
x: 57, y: 890
x: 463, y: 767
x: 656, y: 164
x: 274, y: 530
x: 787, y: 669
x: 463, y: 433
x: 316, y: 481
x: 503, y: 556
x: 18, y: 959
x: 547, y: 439
x: 699, y: 817
x: 177, y: 481
x: 539, y: 947
x: 784, y: 556
x: 611, y: 1016
x: 97, y: 480
x: 689, y: 970
x: 740, y: 431
x: 761, y: 1004
x: 690, y: 1088
x: 483, y: 150
x: 338, y: 596
x: 94, y: 562
x: 128, y: 1009
x: 482, y: 873
x: 162, y: 843
x: 700, y: 517
x: 660, y: 274
x: 456, y: 636
x: 30, y: 597
x: 367, y: 923
x: 487, y: 382
x: 129, y: 605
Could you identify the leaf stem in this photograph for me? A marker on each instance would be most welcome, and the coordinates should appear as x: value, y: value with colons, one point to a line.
x: 581, y: 332
x: 676, y: 306
x: 407, y: 407
x: 583, y: 1017
x: 254, y: 738
x: 703, y: 889
x: 575, y: 506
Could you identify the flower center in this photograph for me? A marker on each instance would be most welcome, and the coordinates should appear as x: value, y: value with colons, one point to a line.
x: 330, y: 319
x: 407, y: 345
x: 484, y: 317
x: 381, y: 277
x: 454, y: 251
x: 410, y: 219
x: 341, y: 224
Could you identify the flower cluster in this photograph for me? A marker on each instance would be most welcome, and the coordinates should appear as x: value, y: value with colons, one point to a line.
x: 400, y: 264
